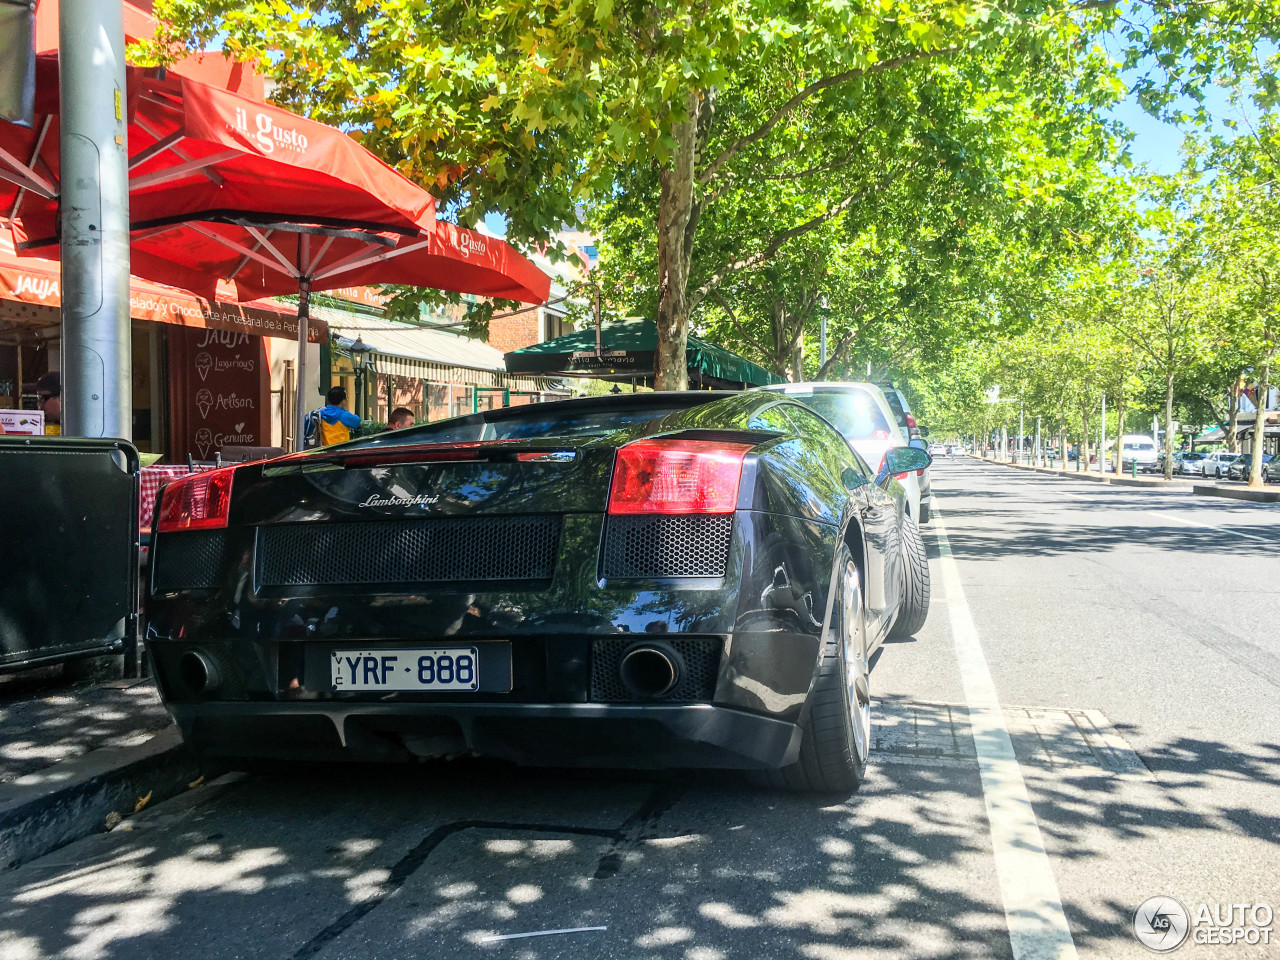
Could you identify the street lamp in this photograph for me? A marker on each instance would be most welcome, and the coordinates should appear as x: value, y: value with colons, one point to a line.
x: 359, y: 352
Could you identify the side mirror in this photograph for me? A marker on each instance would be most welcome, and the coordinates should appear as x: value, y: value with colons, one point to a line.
x: 852, y: 479
x: 898, y: 460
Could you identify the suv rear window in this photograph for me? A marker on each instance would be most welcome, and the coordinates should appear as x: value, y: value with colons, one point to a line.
x: 895, y: 404
x: 854, y: 413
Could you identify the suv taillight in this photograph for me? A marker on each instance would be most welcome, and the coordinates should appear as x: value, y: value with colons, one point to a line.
x: 676, y: 476
x: 201, y: 501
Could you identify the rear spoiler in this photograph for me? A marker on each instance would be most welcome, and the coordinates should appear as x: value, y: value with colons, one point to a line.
x: 469, y: 450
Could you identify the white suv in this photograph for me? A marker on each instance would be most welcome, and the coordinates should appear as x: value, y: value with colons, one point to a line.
x: 861, y: 412
x: 1140, y: 449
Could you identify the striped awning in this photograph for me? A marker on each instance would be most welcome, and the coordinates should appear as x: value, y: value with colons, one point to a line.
x: 426, y: 353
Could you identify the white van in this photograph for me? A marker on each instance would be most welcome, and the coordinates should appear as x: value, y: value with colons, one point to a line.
x: 1138, y: 448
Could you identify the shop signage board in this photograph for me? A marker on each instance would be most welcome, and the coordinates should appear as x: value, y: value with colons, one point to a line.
x: 23, y: 423
x: 221, y: 392
x: 35, y: 281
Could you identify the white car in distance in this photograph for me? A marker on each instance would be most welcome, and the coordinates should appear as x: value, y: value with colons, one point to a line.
x: 1215, y: 464
x: 1140, y: 449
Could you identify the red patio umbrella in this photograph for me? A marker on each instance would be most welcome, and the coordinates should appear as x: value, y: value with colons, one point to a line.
x: 196, y: 149
x: 266, y: 258
x: 223, y: 187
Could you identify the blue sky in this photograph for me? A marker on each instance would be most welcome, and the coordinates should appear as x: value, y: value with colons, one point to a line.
x: 1155, y: 143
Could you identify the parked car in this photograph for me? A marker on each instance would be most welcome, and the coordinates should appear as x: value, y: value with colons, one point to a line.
x: 1223, y: 467
x: 915, y: 434
x: 939, y: 450
x: 1187, y: 462
x: 645, y: 580
x: 1141, y: 449
x: 863, y: 415
x: 1240, y: 468
x: 955, y: 450
x: 1215, y: 463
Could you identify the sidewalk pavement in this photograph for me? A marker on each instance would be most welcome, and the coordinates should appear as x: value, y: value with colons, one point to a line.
x: 1202, y: 487
x: 77, y: 759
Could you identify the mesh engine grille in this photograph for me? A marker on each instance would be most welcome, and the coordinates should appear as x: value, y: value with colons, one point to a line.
x: 191, y: 560
x: 409, y: 551
x: 701, y: 661
x: 685, y: 546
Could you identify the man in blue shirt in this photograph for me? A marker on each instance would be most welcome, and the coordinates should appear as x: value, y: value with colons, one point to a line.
x: 336, y: 423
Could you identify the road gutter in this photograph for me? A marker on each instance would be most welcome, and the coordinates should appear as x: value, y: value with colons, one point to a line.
x: 1038, y: 928
x: 42, y: 811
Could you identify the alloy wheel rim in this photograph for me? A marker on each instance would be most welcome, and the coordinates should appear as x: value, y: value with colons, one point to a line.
x: 857, y: 666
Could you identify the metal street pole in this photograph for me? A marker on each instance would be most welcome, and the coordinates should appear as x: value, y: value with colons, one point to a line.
x: 1102, y: 442
x: 96, y: 370
x: 1037, y: 456
x: 823, y: 360
x: 1021, y: 432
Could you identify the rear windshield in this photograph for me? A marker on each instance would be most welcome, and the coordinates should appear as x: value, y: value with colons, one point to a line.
x: 540, y: 421
x: 854, y: 413
x: 896, y: 405
x: 1139, y: 446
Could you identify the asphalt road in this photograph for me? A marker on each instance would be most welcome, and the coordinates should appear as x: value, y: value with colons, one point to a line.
x: 1090, y: 717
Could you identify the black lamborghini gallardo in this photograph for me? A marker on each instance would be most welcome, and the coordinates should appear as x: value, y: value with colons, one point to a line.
x: 650, y: 580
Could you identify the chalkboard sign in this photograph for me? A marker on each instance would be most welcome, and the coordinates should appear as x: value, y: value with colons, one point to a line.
x: 221, y: 391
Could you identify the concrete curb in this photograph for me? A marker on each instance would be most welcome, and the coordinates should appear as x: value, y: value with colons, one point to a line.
x: 1109, y: 478
x: 1240, y: 493
x: 1158, y: 484
x: 42, y: 811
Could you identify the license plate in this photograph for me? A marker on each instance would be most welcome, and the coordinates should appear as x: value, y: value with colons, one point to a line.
x: 438, y: 668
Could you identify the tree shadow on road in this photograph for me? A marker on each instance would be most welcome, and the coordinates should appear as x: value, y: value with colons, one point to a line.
x: 431, y: 861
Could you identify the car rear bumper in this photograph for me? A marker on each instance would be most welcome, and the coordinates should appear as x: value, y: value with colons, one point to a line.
x: 576, y: 735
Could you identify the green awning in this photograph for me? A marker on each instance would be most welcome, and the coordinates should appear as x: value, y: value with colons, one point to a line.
x: 626, y: 352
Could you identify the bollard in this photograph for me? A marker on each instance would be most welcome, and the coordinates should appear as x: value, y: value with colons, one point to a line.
x: 1135, y: 468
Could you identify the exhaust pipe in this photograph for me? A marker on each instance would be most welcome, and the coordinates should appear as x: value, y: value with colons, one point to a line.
x: 650, y: 670
x: 198, y: 671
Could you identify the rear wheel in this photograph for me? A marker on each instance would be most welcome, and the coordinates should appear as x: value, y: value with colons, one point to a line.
x: 836, y: 733
x: 915, y: 596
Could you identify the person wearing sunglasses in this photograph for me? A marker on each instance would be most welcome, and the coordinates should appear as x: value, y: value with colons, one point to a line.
x: 49, y: 400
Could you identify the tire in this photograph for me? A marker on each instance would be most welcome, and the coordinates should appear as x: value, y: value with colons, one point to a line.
x: 835, y: 737
x: 915, y: 597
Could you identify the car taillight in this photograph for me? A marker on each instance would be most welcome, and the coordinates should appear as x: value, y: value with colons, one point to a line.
x: 677, y: 476
x: 201, y: 501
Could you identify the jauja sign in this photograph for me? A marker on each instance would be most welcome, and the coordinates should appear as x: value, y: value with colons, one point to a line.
x: 32, y: 280
x: 220, y: 396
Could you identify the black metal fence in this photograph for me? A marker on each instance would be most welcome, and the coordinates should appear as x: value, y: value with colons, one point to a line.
x: 68, y: 550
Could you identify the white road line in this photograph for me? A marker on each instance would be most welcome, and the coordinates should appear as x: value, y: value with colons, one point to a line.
x: 1168, y: 515
x: 1211, y: 526
x: 1038, y: 927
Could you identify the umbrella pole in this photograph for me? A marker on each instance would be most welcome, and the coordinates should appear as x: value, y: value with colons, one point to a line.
x: 300, y: 413
x: 597, y: 321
